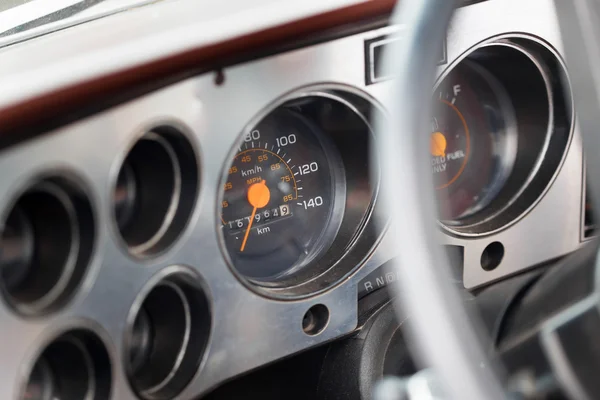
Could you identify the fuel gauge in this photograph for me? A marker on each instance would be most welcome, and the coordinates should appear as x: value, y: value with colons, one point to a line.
x: 473, y: 142
x: 449, y: 146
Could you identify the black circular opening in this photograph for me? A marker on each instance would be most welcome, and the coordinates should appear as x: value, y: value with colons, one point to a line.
x: 74, y: 366
x: 167, y: 338
x: 492, y: 256
x: 315, y: 319
x: 155, y: 191
x: 45, y: 245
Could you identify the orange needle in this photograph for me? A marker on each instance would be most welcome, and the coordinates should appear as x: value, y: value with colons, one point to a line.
x: 258, y: 197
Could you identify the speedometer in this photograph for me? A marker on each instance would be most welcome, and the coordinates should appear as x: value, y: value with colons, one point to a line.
x: 283, y: 202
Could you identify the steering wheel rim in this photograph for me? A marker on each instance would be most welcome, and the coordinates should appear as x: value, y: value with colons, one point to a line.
x: 441, y: 329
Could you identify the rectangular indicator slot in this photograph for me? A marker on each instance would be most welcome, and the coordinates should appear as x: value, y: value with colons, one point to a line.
x: 374, y: 49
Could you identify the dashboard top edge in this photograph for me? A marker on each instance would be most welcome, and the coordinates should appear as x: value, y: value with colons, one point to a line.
x: 40, y: 110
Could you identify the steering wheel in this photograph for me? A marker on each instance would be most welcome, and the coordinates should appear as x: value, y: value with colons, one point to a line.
x: 552, y: 349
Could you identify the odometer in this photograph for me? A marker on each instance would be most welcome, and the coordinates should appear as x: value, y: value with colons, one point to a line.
x: 279, y: 205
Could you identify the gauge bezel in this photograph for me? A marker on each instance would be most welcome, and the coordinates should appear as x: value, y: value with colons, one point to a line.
x: 352, y: 244
x: 560, y: 108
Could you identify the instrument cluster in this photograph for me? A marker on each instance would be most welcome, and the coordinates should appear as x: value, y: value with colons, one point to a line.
x: 232, y: 219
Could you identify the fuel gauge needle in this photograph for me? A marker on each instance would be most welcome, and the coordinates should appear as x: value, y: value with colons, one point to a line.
x: 258, y: 197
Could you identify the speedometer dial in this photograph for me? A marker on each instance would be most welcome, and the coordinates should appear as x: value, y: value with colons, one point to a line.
x: 279, y: 198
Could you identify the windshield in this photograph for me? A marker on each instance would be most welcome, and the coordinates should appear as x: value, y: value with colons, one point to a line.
x: 24, y: 19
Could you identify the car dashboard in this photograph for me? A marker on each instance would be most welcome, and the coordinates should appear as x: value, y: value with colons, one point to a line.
x: 230, y: 213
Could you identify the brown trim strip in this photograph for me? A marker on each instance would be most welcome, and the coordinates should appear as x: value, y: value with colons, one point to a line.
x: 38, y: 112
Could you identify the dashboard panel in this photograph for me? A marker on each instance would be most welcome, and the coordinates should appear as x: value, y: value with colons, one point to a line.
x: 260, y: 210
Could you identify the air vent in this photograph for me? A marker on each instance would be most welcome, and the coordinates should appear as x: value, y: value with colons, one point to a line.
x: 74, y: 366
x: 155, y: 191
x: 45, y: 245
x: 167, y: 335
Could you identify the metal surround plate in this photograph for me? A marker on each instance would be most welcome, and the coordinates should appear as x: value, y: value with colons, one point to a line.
x: 249, y: 330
